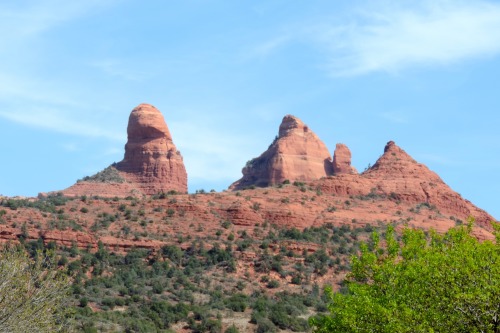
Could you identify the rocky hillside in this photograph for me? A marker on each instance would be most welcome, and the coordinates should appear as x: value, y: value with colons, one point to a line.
x: 298, y: 155
x: 147, y: 256
x: 294, y: 183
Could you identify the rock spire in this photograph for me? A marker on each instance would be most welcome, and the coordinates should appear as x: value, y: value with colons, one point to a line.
x: 152, y: 163
x: 342, y: 160
x: 151, y: 158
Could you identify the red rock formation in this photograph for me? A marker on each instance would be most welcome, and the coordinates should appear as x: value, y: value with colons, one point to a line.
x: 398, y: 177
x: 398, y: 173
x: 151, y: 159
x: 396, y: 190
x: 296, y: 155
x: 152, y: 163
x: 342, y: 160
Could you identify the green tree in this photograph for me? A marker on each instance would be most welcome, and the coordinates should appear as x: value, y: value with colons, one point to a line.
x: 32, y: 294
x: 426, y: 283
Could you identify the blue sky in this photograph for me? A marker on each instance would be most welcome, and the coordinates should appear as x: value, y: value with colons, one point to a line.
x: 422, y: 73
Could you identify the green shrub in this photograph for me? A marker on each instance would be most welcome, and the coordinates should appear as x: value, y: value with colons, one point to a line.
x: 108, y: 175
x: 237, y: 302
x: 264, y: 325
x: 232, y: 329
x: 273, y: 284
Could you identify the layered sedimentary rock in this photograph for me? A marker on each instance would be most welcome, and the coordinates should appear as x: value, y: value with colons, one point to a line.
x: 398, y: 173
x: 396, y: 189
x: 398, y: 177
x: 342, y: 160
x: 297, y: 154
x: 152, y: 163
x: 151, y: 159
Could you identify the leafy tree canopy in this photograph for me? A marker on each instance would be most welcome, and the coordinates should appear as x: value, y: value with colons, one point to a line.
x: 423, y: 283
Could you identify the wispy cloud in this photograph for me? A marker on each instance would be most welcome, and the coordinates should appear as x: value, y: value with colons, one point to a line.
x: 117, y: 68
x: 51, y: 106
x: 34, y: 90
x: 270, y: 46
x: 26, y: 96
x: 210, y: 152
x: 55, y: 120
x: 20, y: 19
x: 393, y: 37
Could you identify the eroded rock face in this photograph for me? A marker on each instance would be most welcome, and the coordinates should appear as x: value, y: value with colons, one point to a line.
x: 297, y: 154
x: 398, y: 177
x: 398, y: 173
x: 396, y: 190
x: 395, y: 162
x: 152, y: 163
x: 151, y: 159
x: 342, y: 160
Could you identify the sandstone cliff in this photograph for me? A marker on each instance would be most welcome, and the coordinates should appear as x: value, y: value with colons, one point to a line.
x: 396, y: 188
x: 152, y: 163
x: 397, y: 177
x: 151, y: 159
x: 297, y: 154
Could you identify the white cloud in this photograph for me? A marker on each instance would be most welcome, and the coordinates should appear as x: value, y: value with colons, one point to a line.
x: 210, y: 153
x: 117, y: 68
x: 21, y: 19
x: 34, y: 90
x: 392, y: 37
x: 44, y: 104
x: 35, y: 101
x: 268, y: 47
x: 54, y: 120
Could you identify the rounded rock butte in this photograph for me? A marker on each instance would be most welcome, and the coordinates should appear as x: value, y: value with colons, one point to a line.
x: 152, y: 164
x: 151, y: 159
x: 297, y: 154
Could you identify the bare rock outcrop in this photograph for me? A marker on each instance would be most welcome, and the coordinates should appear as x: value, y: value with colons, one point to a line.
x: 152, y: 163
x: 398, y: 177
x: 396, y: 190
x: 151, y: 159
x: 342, y: 160
x: 397, y: 173
x: 296, y: 154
